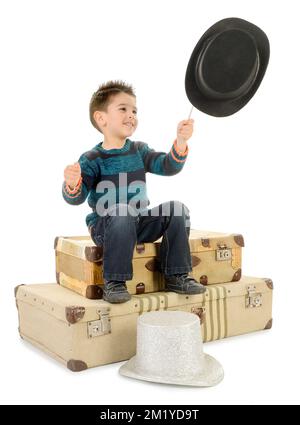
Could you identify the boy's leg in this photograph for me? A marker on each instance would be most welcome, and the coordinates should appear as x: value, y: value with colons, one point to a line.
x: 170, y: 220
x: 116, y: 232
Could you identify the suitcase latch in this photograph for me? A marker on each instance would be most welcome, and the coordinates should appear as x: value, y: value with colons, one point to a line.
x: 100, y: 327
x: 223, y: 253
x: 253, y: 298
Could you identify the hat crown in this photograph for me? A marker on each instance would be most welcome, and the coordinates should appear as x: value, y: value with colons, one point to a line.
x: 169, y: 344
x: 227, y: 64
x: 169, y: 350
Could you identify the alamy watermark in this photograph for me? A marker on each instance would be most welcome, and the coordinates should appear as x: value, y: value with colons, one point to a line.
x: 129, y: 201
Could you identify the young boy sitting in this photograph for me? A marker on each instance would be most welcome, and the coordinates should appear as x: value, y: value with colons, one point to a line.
x: 113, y: 175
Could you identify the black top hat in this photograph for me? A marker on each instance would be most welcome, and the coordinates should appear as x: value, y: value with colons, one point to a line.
x: 227, y: 67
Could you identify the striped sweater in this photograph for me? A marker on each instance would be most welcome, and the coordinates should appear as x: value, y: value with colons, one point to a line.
x: 119, y: 176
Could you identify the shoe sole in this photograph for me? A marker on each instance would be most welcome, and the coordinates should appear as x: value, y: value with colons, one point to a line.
x: 116, y: 301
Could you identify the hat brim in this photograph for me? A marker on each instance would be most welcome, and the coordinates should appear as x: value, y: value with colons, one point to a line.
x: 212, y: 374
x: 226, y: 107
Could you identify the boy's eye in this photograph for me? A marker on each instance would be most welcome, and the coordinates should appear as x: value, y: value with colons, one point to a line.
x: 124, y: 109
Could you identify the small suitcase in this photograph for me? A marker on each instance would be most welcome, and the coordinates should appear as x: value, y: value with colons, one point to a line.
x: 216, y: 258
x: 83, y: 333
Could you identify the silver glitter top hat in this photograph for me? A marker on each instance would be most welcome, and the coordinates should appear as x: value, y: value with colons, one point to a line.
x: 170, y: 351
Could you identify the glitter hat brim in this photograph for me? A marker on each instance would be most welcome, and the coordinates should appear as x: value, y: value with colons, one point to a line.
x: 212, y: 374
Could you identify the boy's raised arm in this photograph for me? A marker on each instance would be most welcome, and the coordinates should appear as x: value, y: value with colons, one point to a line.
x: 161, y: 163
x: 168, y: 164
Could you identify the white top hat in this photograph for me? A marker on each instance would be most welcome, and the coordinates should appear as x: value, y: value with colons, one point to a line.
x: 170, y: 351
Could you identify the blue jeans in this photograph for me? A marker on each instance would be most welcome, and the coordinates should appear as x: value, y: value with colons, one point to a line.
x: 119, y: 231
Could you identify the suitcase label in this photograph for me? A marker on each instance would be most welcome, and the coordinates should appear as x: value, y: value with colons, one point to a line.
x: 223, y: 253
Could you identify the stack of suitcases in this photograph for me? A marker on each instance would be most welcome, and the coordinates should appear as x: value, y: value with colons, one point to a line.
x: 71, y: 322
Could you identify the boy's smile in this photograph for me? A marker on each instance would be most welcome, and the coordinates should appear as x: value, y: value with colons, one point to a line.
x: 124, y: 106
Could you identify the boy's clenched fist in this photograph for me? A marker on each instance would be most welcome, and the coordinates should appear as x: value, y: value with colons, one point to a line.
x: 72, y: 174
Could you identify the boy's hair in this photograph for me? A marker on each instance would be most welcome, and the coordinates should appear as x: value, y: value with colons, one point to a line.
x: 102, y: 97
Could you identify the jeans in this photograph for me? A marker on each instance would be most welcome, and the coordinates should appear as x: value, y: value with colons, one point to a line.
x: 120, y: 230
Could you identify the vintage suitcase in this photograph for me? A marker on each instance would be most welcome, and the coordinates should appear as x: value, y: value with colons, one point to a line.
x: 216, y: 258
x: 83, y: 333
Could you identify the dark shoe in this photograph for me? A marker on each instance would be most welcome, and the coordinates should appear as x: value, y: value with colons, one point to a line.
x: 115, y: 291
x: 183, y: 284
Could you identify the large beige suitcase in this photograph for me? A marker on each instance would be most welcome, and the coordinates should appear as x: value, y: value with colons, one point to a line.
x: 216, y: 258
x: 83, y: 333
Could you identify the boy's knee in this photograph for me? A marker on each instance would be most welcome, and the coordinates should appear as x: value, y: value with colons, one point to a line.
x: 179, y: 209
x: 181, y: 213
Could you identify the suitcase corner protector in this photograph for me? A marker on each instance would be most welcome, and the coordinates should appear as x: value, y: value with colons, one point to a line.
x: 269, y: 283
x: 56, y: 241
x: 74, y: 314
x: 269, y: 325
x: 237, y: 276
x: 239, y: 240
x: 93, y: 254
x: 94, y: 292
x: 17, y: 288
x: 76, y: 365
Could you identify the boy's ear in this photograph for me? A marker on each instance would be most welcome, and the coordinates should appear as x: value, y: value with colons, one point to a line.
x: 99, y: 118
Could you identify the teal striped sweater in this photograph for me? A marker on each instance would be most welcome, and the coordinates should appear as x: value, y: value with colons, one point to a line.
x: 119, y: 176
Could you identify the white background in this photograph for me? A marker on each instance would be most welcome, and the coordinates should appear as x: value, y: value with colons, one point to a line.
x: 242, y: 175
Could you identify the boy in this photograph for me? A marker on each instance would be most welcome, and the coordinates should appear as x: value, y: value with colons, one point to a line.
x: 113, y: 175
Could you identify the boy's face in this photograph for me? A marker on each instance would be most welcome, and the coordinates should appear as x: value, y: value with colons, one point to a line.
x: 120, y: 120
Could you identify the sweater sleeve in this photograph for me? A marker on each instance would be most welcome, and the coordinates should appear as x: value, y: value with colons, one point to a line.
x: 164, y: 164
x: 90, y: 176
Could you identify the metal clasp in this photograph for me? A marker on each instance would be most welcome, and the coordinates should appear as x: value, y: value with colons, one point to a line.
x: 253, y: 298
x: 100, y: 327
